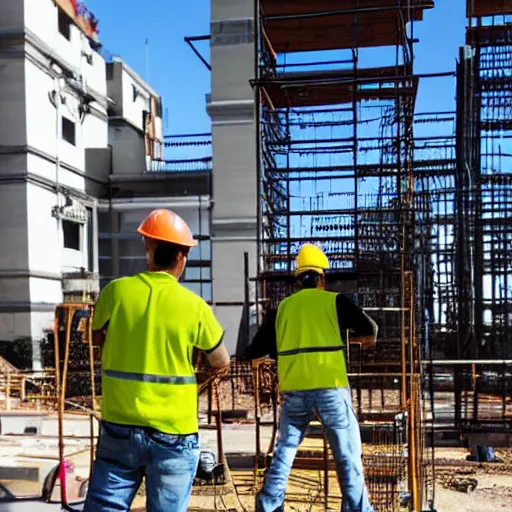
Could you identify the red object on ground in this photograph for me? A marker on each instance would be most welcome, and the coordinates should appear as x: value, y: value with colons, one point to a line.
x: 64, y: 468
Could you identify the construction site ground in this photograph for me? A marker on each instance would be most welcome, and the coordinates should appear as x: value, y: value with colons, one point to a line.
x: 26, y: 460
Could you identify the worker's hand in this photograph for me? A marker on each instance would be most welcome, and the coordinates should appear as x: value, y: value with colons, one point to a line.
x: 366, y: 342
x: 208, y: 374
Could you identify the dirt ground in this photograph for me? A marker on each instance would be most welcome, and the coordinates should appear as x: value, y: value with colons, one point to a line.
x: 461, y: 486
x: 492, y: 494
x: 472, y: 487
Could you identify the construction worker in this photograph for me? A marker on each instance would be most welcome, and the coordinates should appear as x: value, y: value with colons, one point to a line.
x: 148, y: 326
x: 306, y: 336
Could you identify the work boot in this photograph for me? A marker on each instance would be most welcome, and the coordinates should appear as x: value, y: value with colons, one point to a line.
x: 258, y: 508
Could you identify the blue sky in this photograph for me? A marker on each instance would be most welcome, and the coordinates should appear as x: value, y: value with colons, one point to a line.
x: 183, y: 81
x: 175, y: 72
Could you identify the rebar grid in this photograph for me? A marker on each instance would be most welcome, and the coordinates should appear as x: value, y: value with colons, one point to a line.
x: 485, y: 116
x: 336, y: 169
x: 385, y: 442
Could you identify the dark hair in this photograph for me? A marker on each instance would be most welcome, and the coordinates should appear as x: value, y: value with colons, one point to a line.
x: 309, y: 279
x: 166, y: 254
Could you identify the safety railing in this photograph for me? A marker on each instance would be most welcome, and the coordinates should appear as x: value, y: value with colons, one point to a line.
x: 469, y: 393
x: 181, y: 165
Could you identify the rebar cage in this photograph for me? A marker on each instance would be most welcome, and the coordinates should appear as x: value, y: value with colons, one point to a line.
x: 412, y: 208
x: 335, y: 155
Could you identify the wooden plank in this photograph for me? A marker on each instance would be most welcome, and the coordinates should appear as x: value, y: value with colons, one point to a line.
x: 478, y: 8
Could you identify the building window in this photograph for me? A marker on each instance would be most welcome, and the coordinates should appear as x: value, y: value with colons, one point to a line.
x: 88, y: 58
x: 68, y: 131
x: 71, y: 232
x: 64, y: 25
x: 146, y: 119
x: 135, y: 93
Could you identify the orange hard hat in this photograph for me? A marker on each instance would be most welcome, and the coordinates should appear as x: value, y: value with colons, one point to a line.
x: 167, y: 226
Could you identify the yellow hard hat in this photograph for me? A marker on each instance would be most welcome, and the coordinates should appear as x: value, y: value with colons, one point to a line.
x: 311, y: 257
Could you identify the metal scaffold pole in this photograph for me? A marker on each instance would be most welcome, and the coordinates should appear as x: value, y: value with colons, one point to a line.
x: 336, y: 166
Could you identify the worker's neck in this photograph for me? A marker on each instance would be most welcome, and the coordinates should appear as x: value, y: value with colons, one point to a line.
x: 172, y: 271
x: 317, y: 287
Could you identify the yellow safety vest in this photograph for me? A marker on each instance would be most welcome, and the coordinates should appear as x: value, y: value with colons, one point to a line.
x: 154, y: 324
x: 309, y: 343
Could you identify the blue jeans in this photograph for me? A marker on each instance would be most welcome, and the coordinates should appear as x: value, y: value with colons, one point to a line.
x: 334, y: 408
x: 126, y: 454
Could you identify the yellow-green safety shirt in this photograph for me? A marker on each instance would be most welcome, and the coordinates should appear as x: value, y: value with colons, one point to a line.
x: 310, y: 351
x: 154, y: 323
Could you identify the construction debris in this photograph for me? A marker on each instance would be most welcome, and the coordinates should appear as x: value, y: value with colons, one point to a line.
x: 462, y: 484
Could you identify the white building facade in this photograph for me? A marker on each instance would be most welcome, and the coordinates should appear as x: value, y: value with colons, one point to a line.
x: 140, y: 180
x: 81, y: 164
x: 53, y: 107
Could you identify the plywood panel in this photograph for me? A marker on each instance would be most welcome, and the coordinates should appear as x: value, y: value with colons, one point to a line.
x: 475, y: 8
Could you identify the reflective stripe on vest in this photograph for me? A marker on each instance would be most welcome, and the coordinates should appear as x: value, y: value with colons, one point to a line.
x: 146, y: 377
x: 309, y: 350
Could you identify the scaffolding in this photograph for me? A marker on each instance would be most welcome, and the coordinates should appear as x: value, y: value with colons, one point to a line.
x: 463, y: 200
x: 335, y: 147
x: 406, y: 219
x: 336, y: 167
x: 486, y: 177
x: 472, y: 324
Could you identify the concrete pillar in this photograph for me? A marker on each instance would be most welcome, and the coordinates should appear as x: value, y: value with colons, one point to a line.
x: 231, y: 109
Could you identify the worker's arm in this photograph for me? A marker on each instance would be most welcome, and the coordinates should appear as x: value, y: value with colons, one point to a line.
x: 101, y: 316
x: 218, y: 357
x: 210, y: 339
x: 351, y: 317
x: 264, y: 342
x: 98, y: 337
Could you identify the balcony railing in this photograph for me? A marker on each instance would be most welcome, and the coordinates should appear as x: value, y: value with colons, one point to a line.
x: 182, y: 165
x: 185, y: 152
